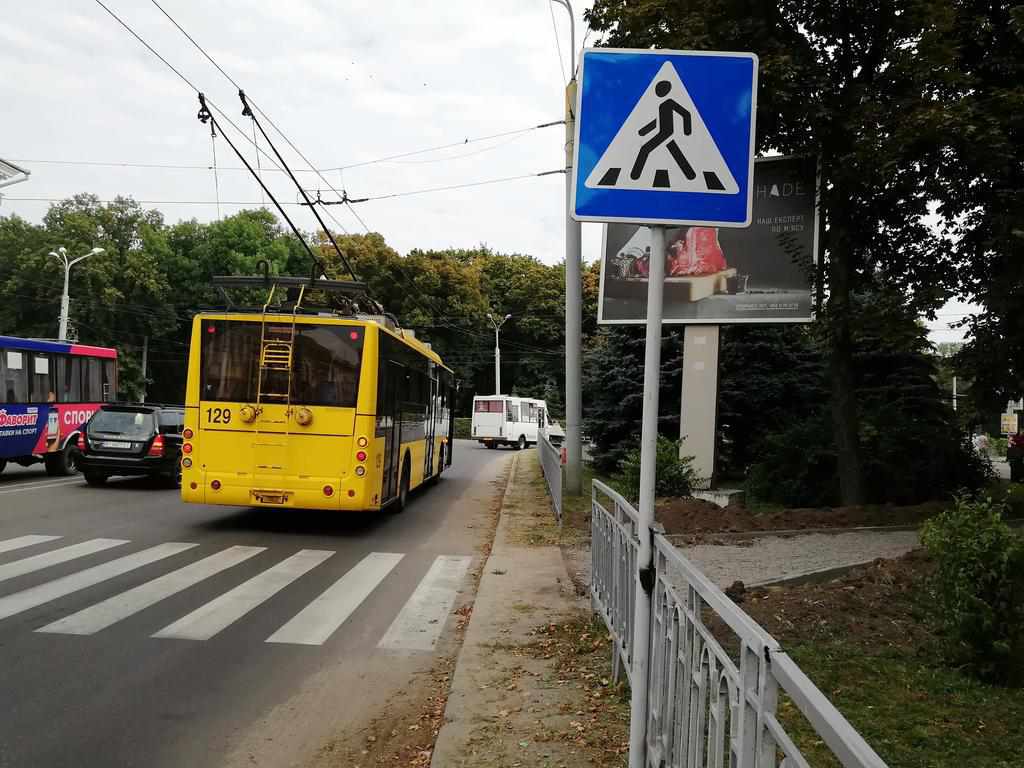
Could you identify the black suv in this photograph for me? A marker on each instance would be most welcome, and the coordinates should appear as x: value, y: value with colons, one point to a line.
x: 132, y: 440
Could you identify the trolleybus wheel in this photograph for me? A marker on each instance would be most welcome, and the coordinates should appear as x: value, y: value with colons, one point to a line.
x: 62, y: 463
x: 521, y: 443
x: 403, y: 488
x: 3, y: 463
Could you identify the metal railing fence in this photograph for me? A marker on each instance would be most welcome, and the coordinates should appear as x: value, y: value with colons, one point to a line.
x: 551, y: 464
x: 614, y: 541
x: 715, y: 675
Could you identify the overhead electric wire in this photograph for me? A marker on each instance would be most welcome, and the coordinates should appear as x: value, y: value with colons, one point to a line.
x: 558, y: 44
x: 50, y: 199
x: 175, y: 70
x: 272, y: 125
x: 390, y: 158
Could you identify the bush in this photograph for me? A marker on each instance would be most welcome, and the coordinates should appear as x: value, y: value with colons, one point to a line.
x: 980, y: 585
x: 673, y: 476
x: 463, y: 427
x: 997, y: 447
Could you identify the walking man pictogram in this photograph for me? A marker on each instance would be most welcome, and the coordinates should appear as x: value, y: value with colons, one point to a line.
x: 665, y: 123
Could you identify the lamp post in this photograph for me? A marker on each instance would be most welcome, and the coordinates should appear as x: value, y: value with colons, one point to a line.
x: 61, y: 254
x: 497, y: 350
x: 573, y: 288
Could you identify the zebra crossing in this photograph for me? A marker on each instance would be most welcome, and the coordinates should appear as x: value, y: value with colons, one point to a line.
x: 416, y: 628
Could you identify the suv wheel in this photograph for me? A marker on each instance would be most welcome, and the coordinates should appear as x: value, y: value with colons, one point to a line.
x: 62, y: 463
x: 95, y: 479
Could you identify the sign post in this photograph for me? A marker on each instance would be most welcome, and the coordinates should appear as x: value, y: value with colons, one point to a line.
x: 663, y: 138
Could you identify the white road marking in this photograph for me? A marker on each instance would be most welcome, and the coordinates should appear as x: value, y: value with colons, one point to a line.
x: 7, y: 545
x: 418, y: 626
x: 322, y: 617
x: 90, y: 620
x: 62, y: 555
x: 39, y: 486
x: 51, y: 590
x: 206, y: 621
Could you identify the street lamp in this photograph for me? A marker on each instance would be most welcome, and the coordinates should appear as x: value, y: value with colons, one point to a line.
x: 497, y: 350
x: 61, y: 254
x: 573, y: 287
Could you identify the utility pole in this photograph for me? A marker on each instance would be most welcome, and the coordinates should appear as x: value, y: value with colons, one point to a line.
x: 497, y: 350
x: 61, y: 255
x: 573, y: 289
x: 145, y: 365
x: 954, y: 393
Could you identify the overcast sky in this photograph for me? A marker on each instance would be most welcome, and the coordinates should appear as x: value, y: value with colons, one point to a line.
x: 348, y: 81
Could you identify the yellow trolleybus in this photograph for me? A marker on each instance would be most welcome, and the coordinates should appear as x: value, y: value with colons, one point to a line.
x: 295, y: 407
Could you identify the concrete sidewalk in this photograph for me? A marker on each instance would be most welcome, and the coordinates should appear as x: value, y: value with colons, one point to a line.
x: 509, y: 705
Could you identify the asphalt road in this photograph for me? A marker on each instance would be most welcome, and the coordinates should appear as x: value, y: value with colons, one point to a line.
x: 277, y: 630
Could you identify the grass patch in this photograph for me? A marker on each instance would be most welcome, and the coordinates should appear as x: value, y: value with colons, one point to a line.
x: 867, y: 641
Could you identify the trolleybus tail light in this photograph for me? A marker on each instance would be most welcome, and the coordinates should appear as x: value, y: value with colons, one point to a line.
x: 362, y: 442
x: 157, y: 448
x: 360, y: 471
x: 351, y: 493
x: 186, y: 462
x: 186, y: 448
x: 193, y: 486
x: 361, y: 455
x: 215, y: 484
x: 328, y: 490
x: 188, y: 434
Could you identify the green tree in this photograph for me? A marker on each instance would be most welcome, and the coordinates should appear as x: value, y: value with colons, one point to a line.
x: 983, y: 172
x: 862, y: 85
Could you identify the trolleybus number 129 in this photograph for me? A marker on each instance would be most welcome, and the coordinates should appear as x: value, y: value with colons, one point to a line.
x: 218, y: 415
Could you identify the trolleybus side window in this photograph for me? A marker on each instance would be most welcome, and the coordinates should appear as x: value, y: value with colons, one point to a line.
x: 15, y: 376
x: 41, y: 390
x: 69, y: 379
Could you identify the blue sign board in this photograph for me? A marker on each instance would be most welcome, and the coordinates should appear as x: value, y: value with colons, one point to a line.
x: 665, y: 137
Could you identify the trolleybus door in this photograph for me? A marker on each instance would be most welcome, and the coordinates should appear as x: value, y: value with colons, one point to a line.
x: 428, y: 460
x: 390, y: 426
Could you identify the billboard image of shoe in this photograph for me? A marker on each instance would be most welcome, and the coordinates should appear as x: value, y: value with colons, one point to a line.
x: 761, y: 274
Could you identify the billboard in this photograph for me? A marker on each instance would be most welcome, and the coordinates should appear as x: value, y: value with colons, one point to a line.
x: 1009, y: 423
x: 761, y: 274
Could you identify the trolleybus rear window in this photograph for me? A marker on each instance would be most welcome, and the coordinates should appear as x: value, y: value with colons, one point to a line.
x: 325, y: 368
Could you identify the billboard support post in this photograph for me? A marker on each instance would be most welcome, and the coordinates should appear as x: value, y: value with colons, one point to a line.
x: 700, y: 400
x: 648, y: 466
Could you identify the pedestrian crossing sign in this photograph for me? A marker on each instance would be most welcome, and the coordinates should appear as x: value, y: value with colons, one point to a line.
x: 665, y: 137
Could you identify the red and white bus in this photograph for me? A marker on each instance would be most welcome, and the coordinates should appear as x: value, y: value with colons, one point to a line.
x: 48, y: 390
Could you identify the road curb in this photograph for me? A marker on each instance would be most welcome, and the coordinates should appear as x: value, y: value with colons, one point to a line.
x: 815, y: 576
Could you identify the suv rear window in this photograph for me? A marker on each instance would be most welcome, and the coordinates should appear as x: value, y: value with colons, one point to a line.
x: 171, y: 422
x: 137, y: 425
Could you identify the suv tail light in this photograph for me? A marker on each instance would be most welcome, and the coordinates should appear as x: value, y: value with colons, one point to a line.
x: 157, y: 448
